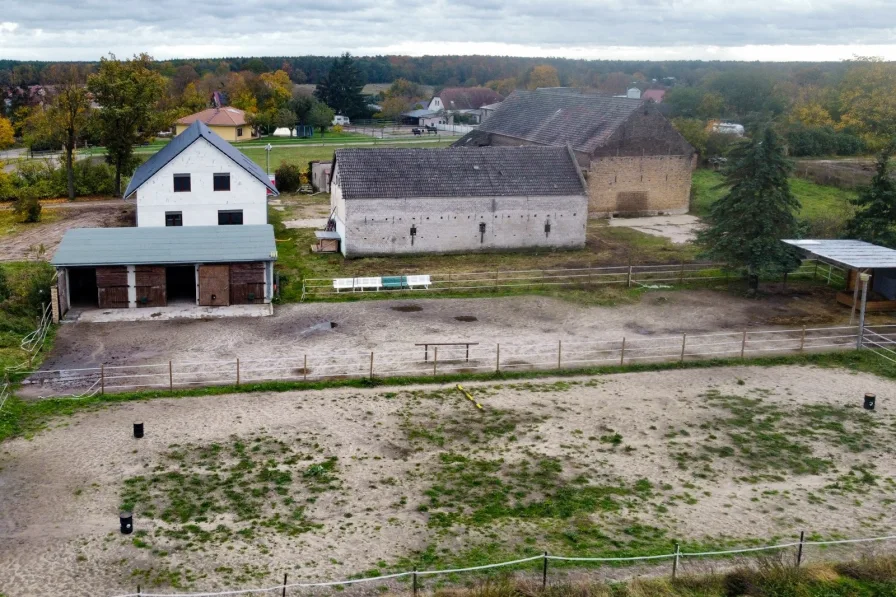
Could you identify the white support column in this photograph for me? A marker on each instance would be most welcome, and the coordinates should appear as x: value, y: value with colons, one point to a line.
x: 132, y: 287
x: 197, y: 283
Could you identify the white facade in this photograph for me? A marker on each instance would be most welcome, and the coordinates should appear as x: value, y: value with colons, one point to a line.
x: 419, y: 225
x: 435, y: 105
x: 200, y: 205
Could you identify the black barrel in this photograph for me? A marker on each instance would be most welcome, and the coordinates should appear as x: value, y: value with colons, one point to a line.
x: 127, y: 522
x: 138, y: 430
x: 870, y: 399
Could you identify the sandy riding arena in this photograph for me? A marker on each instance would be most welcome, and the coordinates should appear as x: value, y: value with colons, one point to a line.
x: 234, y: 491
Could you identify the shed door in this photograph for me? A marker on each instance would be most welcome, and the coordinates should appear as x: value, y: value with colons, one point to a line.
x: 247, y: 283
x: 112, y: 287
x: 150, y: 281
x: 214, y: 285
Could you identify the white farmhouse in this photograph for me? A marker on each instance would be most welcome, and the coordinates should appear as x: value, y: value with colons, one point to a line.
x: 199, y: 179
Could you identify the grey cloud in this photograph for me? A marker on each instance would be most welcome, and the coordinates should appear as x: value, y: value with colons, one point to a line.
x: 58, y: 29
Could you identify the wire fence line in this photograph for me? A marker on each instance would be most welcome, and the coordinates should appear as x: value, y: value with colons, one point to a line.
x: 619, y: 275
x: 676, y: 556
x: 33, y: 343
x: 434, y: 359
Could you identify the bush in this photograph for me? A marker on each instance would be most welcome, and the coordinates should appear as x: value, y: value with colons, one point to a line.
x: 805, y: 141
x: 337, y: 129
x: 43, y: 180
x: 289, y: 177
x: 27, y: 206
x: 38, y: 293
x: 5, y: 291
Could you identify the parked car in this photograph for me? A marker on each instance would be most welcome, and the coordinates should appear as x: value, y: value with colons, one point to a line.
x: 341, y: 120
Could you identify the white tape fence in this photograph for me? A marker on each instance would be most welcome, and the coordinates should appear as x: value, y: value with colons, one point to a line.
x: 620, y: 275
x: 676, y: 556
x: 434, y: 359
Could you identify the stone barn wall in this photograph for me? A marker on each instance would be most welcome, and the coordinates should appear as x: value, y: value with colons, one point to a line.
x: 647, y: 185
x: 453, y: 225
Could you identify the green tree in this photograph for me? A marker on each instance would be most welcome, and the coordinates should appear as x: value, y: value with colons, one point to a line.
x: 341, y: 88
x: 694, y: 131
x: 63, y: 121
x: 875, y: 219
x: 7, y: 135
x: 745, y: 227
x: 129, y: 93
x: 321, y: 116
x: 285, y: 118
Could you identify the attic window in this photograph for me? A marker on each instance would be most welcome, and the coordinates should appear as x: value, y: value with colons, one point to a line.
x: 181, y: 183
x: 222, y: 181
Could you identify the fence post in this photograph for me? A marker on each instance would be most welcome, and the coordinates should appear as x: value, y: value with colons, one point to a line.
x: 743, y: 344
x: 284, y: 585
x: 675, y: 561
x: 139, y: 592
x: 102, y: 379
x: 803, y: 339
x: 449, y: 280
x: 544, y: 572
x: 799, y: 550
x: 498, y: 359
x: 815, y: 273
x: 628, y: 282
x: 415, y: 582
x: 559, y: 354
x: 496, y: 281
x: 371, y: 364
x: 435, y: 359
x: 681, y: 274
x: 684, y: 341
x: 237, y: 371
x: 622, y: 353
x: 170, y: 376
x: 305, y: 368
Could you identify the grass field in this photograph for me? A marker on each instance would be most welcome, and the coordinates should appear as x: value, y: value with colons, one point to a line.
x: 18, y: 313
x: 818, y: 202
x: 605, y: 245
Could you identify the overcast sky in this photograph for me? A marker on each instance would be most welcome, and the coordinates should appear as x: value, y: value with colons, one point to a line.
x: 627, y: 29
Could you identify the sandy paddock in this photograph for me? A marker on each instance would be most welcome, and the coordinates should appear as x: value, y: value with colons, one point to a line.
x: 61, y: 489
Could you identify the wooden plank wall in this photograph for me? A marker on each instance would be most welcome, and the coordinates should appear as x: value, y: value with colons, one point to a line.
x: 214, y: 285
x: 150, y: 282
x: 246, y: 279
x: 112, y: 287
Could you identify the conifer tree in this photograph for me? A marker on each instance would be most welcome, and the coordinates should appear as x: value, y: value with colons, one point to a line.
x: 875, y: 219
x: 746, y: 226
x: 341, y: 88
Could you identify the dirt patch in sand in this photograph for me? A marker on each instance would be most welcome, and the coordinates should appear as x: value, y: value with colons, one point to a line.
x: 25, y: 244
x: 233, y: 491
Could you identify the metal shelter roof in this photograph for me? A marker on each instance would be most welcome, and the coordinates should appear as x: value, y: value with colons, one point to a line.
x: 854, y: 254
x: 197, y: 130
x: 165, y: 245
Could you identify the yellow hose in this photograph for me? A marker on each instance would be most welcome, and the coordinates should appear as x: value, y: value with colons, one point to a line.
x: 469, y: 396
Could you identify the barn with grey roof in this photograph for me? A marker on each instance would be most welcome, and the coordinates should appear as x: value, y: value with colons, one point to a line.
x: 457, y: 200
x: 634, y: 160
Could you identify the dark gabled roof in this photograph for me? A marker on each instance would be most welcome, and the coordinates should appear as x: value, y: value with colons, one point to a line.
x: 467, y: 98
x: 194, y: 132
x: 162, y: 245
x: 559, y: 117
x: 457, y: 172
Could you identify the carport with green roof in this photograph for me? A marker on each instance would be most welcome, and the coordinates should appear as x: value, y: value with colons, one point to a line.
x: 208, y: 266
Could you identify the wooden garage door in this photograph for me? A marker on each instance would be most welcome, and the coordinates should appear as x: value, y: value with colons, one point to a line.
x: 246, y: 283
x: 112, y: 287
x: 150, y: 282
x: 214, y: 285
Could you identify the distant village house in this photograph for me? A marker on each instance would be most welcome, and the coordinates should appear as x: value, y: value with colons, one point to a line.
x: 228, y: 123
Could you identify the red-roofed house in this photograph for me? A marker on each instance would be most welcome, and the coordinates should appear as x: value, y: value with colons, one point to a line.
x: 655, y: 95
x: 228, y: 123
